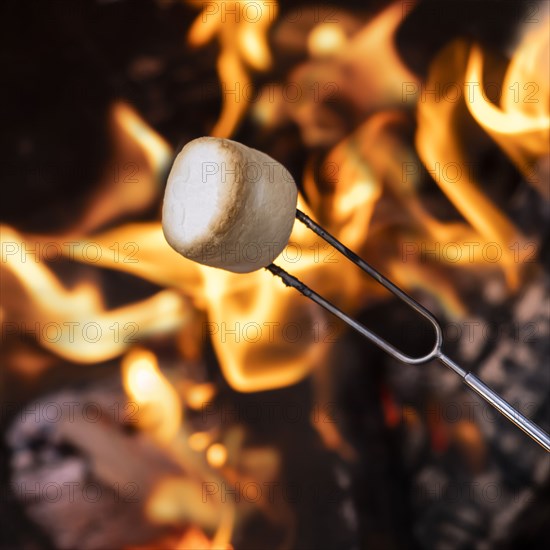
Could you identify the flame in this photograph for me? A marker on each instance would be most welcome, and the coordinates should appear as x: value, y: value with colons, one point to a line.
x: 247, y: 317
x: 177, y: 498
x: 521, y: 125
x: 377, y: 71
x: 136, y: 131
x: 130, y: 183
x: 243, y: 40
x: 371, y: 160
x: 235, y: 303
x: 180, y: 500
x: 159, y: 404
x: 437, y: 143
x: 363, y: 72
x: 73, y: 323
x: 193, y: 539
x: 263, y: 356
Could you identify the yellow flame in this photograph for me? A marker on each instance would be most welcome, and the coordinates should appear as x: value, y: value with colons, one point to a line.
x: 241, y: 29
x: 178, y: 499
x: 500, y: 121
x: 74, y: 323
x: 265, y: 335
x: 379, y: 72
x: 181, y: 500
x: 282, y: 328
x: 438, y: 142
x: 130, y: 182
x: 160, y: 409
x: 521, y: 124
x: 156, y: 149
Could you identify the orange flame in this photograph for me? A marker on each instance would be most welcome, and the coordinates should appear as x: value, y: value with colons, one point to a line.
x: 438, y: 142
x: 266, y: 336
x: 159, y: 403
x: 74, y: 323
x: 243, y: 40
x: 521, y: 126
x: 254, y: 308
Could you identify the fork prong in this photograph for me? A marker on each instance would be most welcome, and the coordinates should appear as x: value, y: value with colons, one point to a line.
x: 294, y: 282
x: 484, y: 391
x: 376, y: 275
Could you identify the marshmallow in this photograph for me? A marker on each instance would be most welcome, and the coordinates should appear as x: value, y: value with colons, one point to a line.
x: 228, y: 206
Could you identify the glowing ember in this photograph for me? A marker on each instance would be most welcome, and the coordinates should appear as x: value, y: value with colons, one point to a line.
x: 326, y: 39
x: 199, y: 441
x: 200, y: 394
x: 216, y: 455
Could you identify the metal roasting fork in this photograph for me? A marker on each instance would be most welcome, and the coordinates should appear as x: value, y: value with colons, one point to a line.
x: 472, y: 381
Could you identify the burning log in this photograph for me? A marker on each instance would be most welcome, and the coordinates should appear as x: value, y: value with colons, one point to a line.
x: 78, y: 468
x: 474, y: 477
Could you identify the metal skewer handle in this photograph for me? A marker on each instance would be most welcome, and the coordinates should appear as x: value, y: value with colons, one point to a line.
x: 472, y: 381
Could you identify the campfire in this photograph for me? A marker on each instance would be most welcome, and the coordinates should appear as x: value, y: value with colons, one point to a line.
x: 154, y: 402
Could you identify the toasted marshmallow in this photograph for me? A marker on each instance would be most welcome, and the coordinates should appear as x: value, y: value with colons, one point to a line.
x: 228, y: 206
